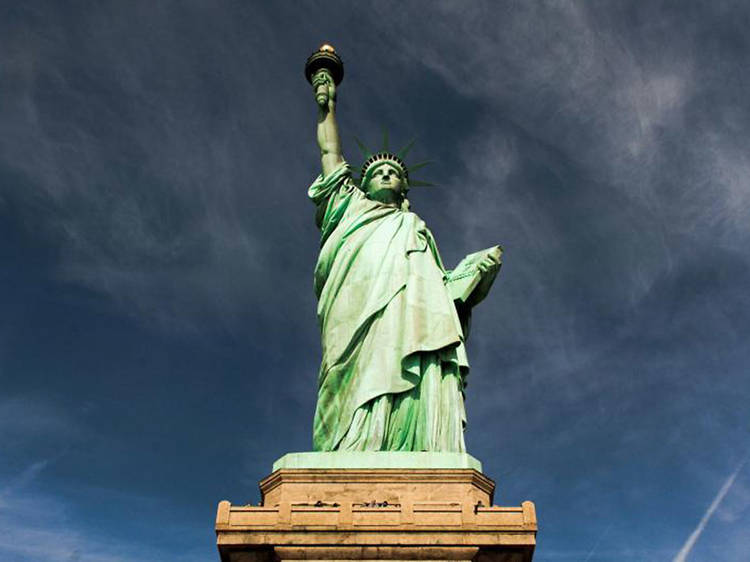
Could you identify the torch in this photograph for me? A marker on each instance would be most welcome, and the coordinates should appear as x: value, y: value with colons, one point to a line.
x: 324, y: 59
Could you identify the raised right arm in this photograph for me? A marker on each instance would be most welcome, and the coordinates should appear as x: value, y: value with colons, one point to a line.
x: 328, y: 131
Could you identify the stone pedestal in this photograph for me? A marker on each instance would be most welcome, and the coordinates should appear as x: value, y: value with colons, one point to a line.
x: 376, y: 513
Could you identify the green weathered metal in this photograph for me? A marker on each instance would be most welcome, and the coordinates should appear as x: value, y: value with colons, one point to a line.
x: 394, y: 364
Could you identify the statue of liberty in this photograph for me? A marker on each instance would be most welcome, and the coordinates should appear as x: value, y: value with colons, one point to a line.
x: 393, y: 320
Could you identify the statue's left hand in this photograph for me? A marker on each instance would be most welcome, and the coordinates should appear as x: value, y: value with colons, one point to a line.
x: 490, y: 264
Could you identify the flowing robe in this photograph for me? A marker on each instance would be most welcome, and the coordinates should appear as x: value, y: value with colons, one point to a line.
x: 394, y: 363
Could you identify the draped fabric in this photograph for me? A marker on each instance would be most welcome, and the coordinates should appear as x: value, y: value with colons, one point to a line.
x: 394, y: 363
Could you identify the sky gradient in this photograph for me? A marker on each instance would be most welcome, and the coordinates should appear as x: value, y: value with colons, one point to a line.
x: 158, y: 341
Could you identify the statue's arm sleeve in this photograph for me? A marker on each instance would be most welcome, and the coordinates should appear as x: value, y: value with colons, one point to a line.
x: 331, y: 195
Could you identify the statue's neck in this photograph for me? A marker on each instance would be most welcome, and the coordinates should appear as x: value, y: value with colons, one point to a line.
x: 387, y: 197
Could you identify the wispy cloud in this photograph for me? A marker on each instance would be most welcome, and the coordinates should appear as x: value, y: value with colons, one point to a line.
x: 37, y: 526
x: 25, y: 418
x: 22, y: 480
x: 158, y: 191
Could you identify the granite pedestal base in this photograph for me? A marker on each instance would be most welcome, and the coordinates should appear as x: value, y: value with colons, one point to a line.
x: 376, y: 514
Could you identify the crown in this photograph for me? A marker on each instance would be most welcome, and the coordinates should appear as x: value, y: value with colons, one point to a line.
x: 385, y: 155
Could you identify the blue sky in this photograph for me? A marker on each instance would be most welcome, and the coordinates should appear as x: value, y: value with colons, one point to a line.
x: 158, y: 340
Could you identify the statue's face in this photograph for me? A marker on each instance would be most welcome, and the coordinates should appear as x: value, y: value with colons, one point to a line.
x: 386, y: 182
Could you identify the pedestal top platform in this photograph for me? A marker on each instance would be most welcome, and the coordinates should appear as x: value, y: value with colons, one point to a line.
x: 326, y: 507
x: 378, y: 460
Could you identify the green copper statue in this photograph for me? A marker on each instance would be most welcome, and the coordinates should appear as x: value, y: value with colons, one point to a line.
x: 393, y: 320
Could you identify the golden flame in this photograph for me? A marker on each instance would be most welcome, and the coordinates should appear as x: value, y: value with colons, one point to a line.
x: 326, y: 48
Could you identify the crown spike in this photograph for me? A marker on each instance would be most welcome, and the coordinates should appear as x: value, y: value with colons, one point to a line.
x: 417, y: 183
x: 372, y: 159
x: 420, y: 165
x: 404, y: 151
x: 363, y: 149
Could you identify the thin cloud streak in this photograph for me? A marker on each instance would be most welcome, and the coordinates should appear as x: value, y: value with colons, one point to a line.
x: 687, y: 548
x: 598, y: 542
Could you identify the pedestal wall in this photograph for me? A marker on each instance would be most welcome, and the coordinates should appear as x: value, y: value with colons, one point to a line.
x: 376, y: 514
